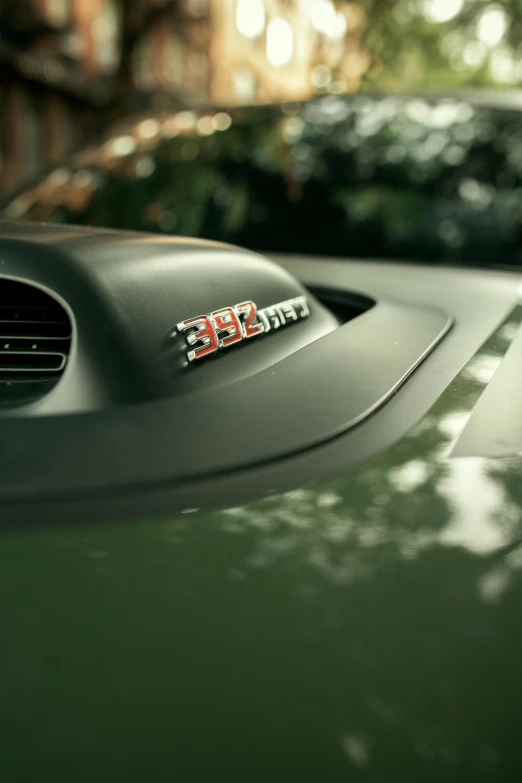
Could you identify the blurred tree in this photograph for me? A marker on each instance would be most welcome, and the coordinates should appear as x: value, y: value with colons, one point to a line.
x: 441, y: 44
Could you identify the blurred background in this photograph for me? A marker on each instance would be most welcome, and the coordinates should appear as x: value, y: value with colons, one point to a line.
x: 69, y: 69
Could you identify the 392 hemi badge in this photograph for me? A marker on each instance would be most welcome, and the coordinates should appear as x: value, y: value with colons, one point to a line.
x: 216, y: 331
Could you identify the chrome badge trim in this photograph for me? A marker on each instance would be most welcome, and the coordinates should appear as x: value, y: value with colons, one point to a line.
x: 207, y: 334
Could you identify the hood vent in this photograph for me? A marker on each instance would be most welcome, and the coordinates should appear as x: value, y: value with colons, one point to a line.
x: 35, y: 341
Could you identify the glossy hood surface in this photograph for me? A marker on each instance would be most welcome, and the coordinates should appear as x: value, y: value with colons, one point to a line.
x: 366, y: 626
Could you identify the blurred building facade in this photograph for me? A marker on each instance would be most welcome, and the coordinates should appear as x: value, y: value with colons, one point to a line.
x: 68, y: 68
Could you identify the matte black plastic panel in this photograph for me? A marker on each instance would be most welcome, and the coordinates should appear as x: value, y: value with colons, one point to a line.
x: 224, y: 445
x: 126, y: 292
x: 477, y: 299
x: 321, y: 391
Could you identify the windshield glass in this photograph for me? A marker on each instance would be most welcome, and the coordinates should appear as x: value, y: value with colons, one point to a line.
x: 393, y: 177
x: 350, y: 128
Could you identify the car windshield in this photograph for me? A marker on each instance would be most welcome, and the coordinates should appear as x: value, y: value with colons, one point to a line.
x: 393, y: 177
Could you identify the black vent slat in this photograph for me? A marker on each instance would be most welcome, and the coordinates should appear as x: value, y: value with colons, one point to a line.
x: 35, y: 341
x: 34, y: 329
x: 31, y: 361
x: 47, y: 344
x: 32, y: 313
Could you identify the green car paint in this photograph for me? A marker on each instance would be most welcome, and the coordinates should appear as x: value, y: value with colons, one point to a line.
x: 364, y: 627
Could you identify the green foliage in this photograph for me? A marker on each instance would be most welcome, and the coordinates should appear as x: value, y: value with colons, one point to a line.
x: 412, y: 49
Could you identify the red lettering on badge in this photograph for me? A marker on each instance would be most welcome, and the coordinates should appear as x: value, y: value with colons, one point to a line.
x: 204, y: 333
x: 226, y: 320
x: 249, y: 310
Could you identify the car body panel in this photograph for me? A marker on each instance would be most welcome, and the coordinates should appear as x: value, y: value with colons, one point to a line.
x: 363, y: 626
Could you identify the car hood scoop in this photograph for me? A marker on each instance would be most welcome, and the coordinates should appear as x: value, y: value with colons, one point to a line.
x: 191, y: 359
x: 143, y: 306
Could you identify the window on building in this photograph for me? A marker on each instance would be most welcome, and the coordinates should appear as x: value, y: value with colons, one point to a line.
x: 174, y: 60
x: 72, y: 45
x: 143, y: 63
x: 2, y: 140
x: 33, y: 133
x: 327, y: 20
x: 244, y: 85
x: 198, y: 8
x: 323, y: 16
x: 57, y: 12
x: 279, y: 42
x: 72, y: 129
x: 250, y: 18
x: 105, y: 34
x: 197, y: 71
